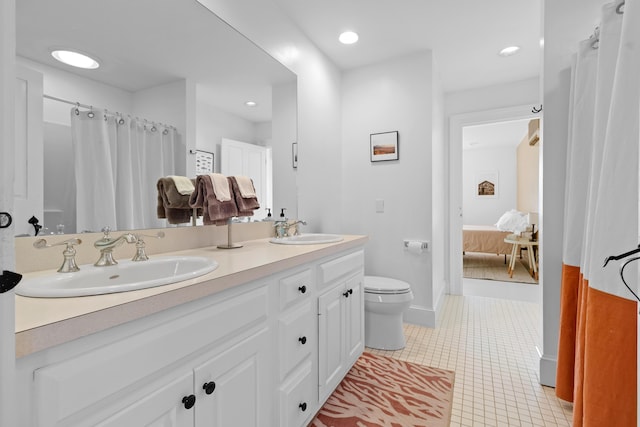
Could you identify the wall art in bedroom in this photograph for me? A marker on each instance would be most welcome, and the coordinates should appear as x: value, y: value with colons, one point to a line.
x: 487, y: 184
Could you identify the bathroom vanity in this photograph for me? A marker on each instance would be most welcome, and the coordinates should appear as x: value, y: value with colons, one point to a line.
x: 261, y: 341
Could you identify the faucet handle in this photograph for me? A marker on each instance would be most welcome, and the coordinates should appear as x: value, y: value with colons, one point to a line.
x: 69, y: 264
x: 140, y: 245
x: 106, y: 230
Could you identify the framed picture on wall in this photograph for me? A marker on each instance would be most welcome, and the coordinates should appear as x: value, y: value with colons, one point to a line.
x: 384, y: 146
x: 487, y: 184
x: 204, y: 162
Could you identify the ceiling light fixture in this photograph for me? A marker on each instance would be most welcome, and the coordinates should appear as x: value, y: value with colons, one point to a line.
x: 75, y: 59
x: 508, y: 51
x: 348, y: 37
x: 251, y: 104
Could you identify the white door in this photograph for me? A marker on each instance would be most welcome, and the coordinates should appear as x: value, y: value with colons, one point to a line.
x: 7, y: 318
x: 331, y: 323
x: 254, y: 161
x: 28, y: 181
x: 232, y: 389
x: 355, y: 318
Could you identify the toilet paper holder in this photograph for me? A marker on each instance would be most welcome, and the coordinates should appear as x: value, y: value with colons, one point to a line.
x: 423, y: 243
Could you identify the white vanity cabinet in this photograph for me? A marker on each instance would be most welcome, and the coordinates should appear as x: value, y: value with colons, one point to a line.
x: 265, y: 353
x: 340, y: 319
x: 120, y: 377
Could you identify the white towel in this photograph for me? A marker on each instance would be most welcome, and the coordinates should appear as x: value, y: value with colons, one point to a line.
x: 245, y: 185
x: 220, y: 187
x: 183, y: 184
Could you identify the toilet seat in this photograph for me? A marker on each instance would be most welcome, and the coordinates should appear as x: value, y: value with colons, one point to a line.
x: 385, y: 285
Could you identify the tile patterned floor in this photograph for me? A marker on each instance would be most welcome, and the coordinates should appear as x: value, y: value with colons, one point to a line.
x: 491, y: 344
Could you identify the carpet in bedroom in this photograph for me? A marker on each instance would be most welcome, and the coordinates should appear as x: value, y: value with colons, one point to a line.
x: 492, y: 267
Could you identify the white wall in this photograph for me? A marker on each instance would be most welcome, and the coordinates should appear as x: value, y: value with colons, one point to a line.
x: 284, y: 133
x: 391, y: 96
x: 486, y: 210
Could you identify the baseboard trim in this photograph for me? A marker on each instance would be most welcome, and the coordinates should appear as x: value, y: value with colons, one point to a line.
x: 548, y: 371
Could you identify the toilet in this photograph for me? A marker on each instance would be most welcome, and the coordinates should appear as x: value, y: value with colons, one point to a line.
x: 385, y: 300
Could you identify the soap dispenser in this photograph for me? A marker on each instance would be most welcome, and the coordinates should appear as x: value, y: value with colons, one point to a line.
x: 281, y: 225
x: 268, y: 217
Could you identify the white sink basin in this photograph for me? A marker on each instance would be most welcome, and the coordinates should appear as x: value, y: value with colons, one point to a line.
x: 125, y: 276
x: 308, y: 239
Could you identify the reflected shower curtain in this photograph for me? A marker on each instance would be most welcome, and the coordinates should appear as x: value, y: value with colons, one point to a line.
x: 118, y: 161
x: 597, y: 351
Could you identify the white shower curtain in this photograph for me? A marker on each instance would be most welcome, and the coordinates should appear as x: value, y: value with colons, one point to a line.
x: 597, y: 353
x: 118, y: 160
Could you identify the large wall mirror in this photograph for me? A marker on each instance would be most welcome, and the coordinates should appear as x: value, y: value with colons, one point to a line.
x: 171, y: 65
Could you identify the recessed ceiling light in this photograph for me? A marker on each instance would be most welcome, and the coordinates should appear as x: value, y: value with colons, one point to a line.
x: 75, y: 59
x: 251, y: 103
x: 508, y: 51
x: 348, y: 37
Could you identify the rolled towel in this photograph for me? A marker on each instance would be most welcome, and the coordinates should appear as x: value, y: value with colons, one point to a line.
x: 220, y: 187
x: 214, y: 211
x: 245, y: 185
x: 183, y: 184
x: 246, y: 206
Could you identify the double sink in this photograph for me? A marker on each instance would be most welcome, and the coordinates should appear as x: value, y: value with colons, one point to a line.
x: 130, y: 275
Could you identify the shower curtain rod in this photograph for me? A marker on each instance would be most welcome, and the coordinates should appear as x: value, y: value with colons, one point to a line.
x: 90, y: 107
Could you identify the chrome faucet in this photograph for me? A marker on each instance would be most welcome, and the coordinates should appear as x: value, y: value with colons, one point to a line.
x: 294, y: 226
x: 107, y: 244
x: 140, y: 246
x: 69, y: 264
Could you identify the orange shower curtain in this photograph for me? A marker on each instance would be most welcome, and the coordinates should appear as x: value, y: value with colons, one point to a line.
x: 597, y: 350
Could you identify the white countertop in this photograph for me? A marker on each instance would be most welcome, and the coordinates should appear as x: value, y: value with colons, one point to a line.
x: 45, y: 322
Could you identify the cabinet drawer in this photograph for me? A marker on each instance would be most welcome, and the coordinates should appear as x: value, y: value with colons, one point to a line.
x: 295, y: 288
x: 339, y: 267
x: 297, y: 337
x: 297, y: 400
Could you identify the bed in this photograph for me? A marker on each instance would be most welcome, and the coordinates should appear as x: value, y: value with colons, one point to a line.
x: 486, y: 239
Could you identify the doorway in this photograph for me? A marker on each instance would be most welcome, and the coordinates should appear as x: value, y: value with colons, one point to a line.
x: 457, y: 216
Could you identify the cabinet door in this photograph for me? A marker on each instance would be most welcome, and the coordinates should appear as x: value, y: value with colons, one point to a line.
x: 232, y: 388
x: 161, y: 408
x: 331, y: 322
x: 355, y: 319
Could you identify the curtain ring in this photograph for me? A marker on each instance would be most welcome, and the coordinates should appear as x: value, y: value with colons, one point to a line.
x: 620, y: 8
x: 90, y: 113
x: 153, y: 128
x: 121, y: 120
x: 165, y: 132
x: 77, y: 111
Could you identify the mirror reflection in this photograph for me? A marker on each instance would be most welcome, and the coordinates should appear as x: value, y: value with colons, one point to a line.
x: 174, y: 85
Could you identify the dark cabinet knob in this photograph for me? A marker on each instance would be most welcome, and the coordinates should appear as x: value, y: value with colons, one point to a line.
x: 346, y: 294
x: 209, y: 387
x: 302, y: 289
x: 350, y: 291
x: 303, y: 406
x: 303, y: 340
x: 189, y: 401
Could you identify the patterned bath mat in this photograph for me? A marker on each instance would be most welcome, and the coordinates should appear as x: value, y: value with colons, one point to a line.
x: 383, y: 392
